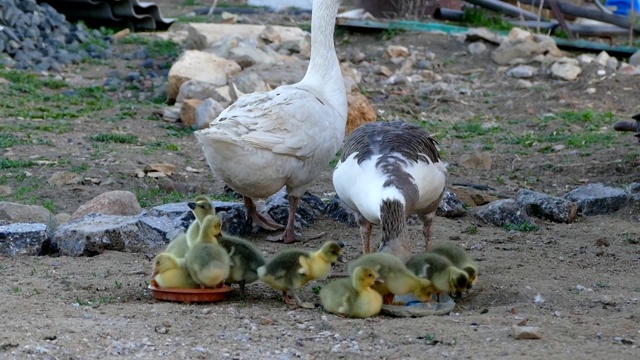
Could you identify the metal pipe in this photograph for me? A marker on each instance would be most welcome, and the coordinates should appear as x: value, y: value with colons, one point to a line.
x: 570, y: 9
x: 582, y: 29
x: 499, y: 6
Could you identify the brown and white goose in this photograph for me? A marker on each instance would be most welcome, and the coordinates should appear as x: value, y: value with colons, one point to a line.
x: 388, y: 171
x: 284, y: 137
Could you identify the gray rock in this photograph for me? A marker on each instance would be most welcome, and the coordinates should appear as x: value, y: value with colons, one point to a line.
x: 506, y: 213
x: 14, y: 213
x: 196, y: 89
x: 277, y: 205
x: 232, y: 215
x: 94, y: 234
x: 634, y: 192
x: 248, y: 56
x: 275, y: 75
x: 521, y: 71
x: 249, y: 82
x: 595, y: 199
x: 115, y: 202
x: 547, y: 207
x: 336, y: 209
x: 207, y: 112
x: 477, y: 47
x: 634, y: 60
x: 450, y: 206
x: 172, y: 210
x: 24, y: 239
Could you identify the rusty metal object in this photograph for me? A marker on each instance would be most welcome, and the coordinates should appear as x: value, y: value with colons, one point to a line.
x: 629, y: 126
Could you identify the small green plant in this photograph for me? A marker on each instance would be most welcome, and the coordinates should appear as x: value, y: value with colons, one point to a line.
x: 602, y: 285
x: 17, y: 290
x: 392, y: 32
x: 471, y: 230
x: 118, y: 284
x: 523, y: 227
x: 480, y: 17
x: 15, y: 164
x: 631, y: 239
x: 316, y: 289
x: 80, y: 168
x: 163, y: 48
x: 178, y: 131
x: 115, y: 138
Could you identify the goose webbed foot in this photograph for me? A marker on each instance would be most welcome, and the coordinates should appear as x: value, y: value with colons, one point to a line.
x: 289, y: 236
x: 263, y: 220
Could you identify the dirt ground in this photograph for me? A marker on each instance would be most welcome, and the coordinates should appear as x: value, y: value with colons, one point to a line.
x: 584, y: 297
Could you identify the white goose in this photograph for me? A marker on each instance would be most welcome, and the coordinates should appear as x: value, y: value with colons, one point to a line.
x: 388, y: 171
x: 284, y: 137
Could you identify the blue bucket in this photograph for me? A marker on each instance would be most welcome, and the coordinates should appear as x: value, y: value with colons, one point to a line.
x: 623, y: 7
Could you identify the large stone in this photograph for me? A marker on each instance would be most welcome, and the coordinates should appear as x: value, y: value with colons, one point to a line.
x: 204, y: 35
x: 206, y: 112
x: 248, y: 56
x: 547, y: 207
x: 477, y: 160
x: 566, y: 69
x: 60, y: 178
x: 522, y: 46
x: 634, y: 60
x: 450, y: 206
x: 595, y: 199
x: 277, y: 205
x: 199, y: 65
x: 249, y: 82
x: 506, y: 213
x: 336, y: 209
x: 196, y: 89
x: 278, y: 74
x: 18, y: 213
x: 634, y: 192
x: 359, y: 112
x: 188, y: 111
x: 395, y: 51
x: 23, y: 239
x: 94, y: 234
x: 233, y: 217
x: 522, y: 71
x: 292, y: 36
x: 110, y: 203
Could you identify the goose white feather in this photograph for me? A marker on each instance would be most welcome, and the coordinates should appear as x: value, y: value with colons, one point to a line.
x: 284, y: 137
x: 387, y: 172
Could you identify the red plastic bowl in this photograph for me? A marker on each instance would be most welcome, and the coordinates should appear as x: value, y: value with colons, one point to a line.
x: 190, y: 295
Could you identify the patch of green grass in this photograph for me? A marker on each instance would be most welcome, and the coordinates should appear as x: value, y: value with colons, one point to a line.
x: 178, y: 131
x: 602, y: 285
x: 223, y: 197
x: 161, y: 145
x: 163, y: 48
x: 79, y: 169
x: 473, y: 129
x: 49, y: 205
x: 523, y: 227
x: 115, y: 138
x: 15, y: 164
x: 153, y: 196
x: 8, y: 140
x: 471, y: 230
x: 480, y: 17
x: 631, y: 239
x: 392, y: 32
x: 335, y: 160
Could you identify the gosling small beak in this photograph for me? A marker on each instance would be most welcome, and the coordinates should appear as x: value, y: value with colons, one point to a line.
x: 378, y: 281
x: 191, y: 205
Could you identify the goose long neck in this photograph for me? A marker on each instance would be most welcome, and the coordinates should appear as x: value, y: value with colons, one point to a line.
x: 395, y: 236
x: 323, y: 73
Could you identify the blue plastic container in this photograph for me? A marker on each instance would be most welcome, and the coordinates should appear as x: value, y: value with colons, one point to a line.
x: 623, y: 7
